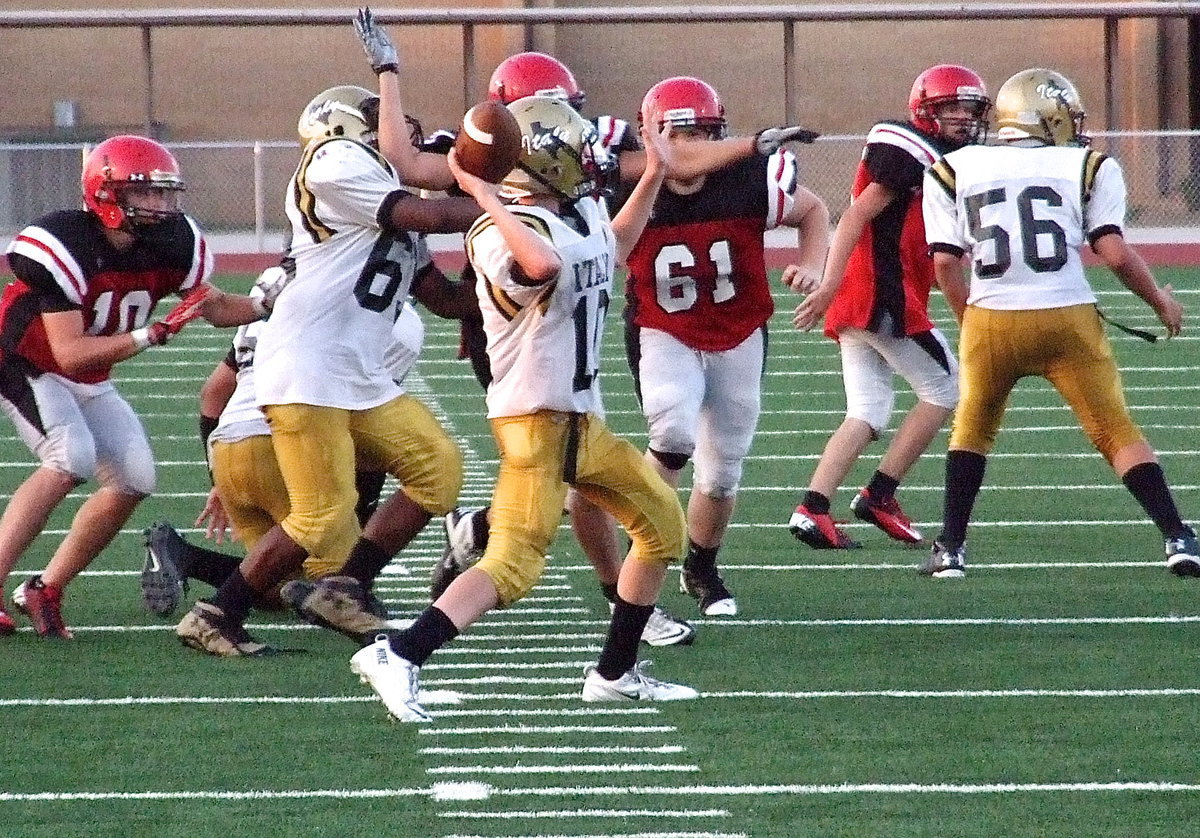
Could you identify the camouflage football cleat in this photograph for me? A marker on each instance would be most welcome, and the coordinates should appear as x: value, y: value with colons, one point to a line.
x: 338, y: 603
x: 207, y: 629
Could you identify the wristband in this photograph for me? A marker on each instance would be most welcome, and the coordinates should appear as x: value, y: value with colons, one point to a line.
x: 141, y: 339
x: 390, y: 67
x: 260, y: 308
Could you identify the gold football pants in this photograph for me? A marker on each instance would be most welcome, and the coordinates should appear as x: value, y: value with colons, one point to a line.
x: 315, y: 448
x: 528, y: 500
x: 254, y: 496
x: 1067, y: 346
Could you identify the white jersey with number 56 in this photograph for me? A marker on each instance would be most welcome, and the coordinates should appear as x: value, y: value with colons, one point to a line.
x: 1021, y: 214
x: 543, y: 339
x: 326, y: 339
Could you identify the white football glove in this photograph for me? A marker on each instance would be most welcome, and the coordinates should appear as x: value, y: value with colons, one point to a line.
x: 769, y: 140
x: 380, y: 50
x: 269, y: 286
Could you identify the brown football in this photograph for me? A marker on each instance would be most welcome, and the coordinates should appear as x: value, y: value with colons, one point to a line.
x: 488, y: 142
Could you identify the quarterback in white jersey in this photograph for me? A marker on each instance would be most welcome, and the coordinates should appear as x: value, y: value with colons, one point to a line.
x: 533, y: 328
x: 1021, y: 211
x: 544, y: 279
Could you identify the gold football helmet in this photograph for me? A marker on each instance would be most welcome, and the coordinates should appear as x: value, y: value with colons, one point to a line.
x: 344, y: 111
x: 557, y: 151
x: 1041, y: 104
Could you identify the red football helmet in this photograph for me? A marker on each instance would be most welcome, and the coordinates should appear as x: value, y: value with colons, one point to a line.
x: 686, y: 102
x: 534, y: 74
x: 945, y: 84
x: 122, y: 162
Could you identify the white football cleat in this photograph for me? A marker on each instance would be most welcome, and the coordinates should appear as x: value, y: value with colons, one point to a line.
x: 634, y: 685
x: 394, y: 679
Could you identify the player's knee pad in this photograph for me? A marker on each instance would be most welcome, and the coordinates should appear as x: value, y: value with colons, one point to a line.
x: 329, y: 532
x: 133, y: 476
x: 435, y: 482
x: 659, y: 534
x: 718, y: 489
x: 941, y: 393
x: 514, y: 573
x: 1109, y: 439
x: 670, y: 460
x: 876, y: 419
x: 71, y: 450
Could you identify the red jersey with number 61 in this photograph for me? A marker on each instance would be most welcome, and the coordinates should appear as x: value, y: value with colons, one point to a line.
x: 64, y: 262
x: 698, y: 272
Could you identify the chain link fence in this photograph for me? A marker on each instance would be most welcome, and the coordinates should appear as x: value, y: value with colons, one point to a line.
x: 237, y: 187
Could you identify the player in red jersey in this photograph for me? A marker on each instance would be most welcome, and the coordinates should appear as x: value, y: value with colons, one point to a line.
x: 622, y: 162
x: 875, y: 299
x: 698, y: 301
x: 86, y: 284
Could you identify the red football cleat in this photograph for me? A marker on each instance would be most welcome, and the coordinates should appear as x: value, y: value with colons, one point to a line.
x: 887, y: 515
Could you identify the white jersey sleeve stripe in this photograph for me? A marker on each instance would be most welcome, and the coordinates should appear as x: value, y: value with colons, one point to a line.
x: 202, y: 260
x: 782, y: 178
x: 44, y: 248
x: 899, y: 136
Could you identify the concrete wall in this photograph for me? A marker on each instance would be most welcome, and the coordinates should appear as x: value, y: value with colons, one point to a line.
x: 251, y: 83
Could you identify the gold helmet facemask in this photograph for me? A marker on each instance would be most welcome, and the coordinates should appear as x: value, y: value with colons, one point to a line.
x: 1043, y: 105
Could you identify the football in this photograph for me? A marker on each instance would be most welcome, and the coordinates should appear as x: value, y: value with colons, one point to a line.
x: 488, y: 142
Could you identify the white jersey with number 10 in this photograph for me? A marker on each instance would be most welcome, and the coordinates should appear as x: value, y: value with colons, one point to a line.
x: 543, y: 340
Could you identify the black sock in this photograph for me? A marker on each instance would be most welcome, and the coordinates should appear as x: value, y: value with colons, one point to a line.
x: 964, y: 476
x: 1147, y: 483
x: 610, y: 591
x: 369, y: 485
x: 624, y: 633
x: 816, y: 503
x: 882, y: 486
x: 429, y: 632
x: 366, y: 560
x: 209, y: 565
x: 235, y: 597
x: 701, y: 561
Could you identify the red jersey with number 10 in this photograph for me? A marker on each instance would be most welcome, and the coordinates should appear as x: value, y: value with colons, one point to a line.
x: 698, y: 272
x: 63, y: 262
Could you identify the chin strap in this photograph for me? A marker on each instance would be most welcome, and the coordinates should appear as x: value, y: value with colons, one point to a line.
x: 1137, y: 333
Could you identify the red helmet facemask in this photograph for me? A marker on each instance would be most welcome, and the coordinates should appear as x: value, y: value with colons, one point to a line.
x: 944, y: 85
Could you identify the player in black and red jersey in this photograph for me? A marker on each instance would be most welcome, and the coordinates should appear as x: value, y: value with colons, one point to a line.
x: 698, y: 301
x: 86, y: 284
x: 875, y: 299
